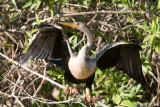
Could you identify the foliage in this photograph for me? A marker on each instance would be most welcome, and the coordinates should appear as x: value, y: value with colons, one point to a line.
x: 18, y: 20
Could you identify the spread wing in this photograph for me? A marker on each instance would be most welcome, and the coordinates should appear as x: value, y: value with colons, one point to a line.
x: 125, y: 57
x: 46, y: 44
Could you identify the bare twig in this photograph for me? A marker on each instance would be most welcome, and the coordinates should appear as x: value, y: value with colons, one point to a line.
x: 35, y: 23
x: 39, y: 87
x: 45, y: 78
x: 94, y: 16
x: 132, y: 24
x: 32, y: 71
x: 10, y: 31
x: 101, y: 104
x: 18, y: 87
x: 108, y: 25
x: 11, y: 37
x: 74, y: 5
x: 111, y: 26
x: 4, y: 94
x: 7, y: 12
x: 31, y: 83
x: 109, y: 12
x: 83, y: 13
x: 18, y: 100
x: 153, y: 102
x: 83, y: 38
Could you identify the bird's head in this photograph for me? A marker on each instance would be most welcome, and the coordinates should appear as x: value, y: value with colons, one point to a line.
x: 75, y: 25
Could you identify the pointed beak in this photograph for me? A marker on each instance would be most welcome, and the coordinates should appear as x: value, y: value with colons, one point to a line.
x: 70, y: 24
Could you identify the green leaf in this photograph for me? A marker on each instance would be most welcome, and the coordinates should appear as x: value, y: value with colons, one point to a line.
x: 124, y: 1
x: 28, y: 34
x: 60, y: 95
x: 121, y: 88
x: 72, y: 32
x: 27, y: 4
x: 144, y: 27
x: 51, y: 4
x: 116, y: 99
x: 103, y: 36
x: 14, y: 2
x: 151, y: 39
x: 146, y: 69
x: 127, y: 103
x: 147, y: 38
x: 144, y: 46
x: 122, y: 5
x: 33, y: 6
x: 157, y: 21
x: 158, y: 4
x: 56, y: 72
x: 85, y: 2
x: 26, y: 48
x: 157, y: 35
x: 51, y: 11
x: 154, y: 27
x: 132, y: 90
x: 4, y: 42
x: 74, y: 41
x: 127, y: 95
x: 71, y: 38
x: 38, y: 4
x: 131, y: 19
x: 101, y: 77
x: 138, y: 87
x: 133, y: 3
x: 37, y: 19
x: 34, y: 30
x: 33, y: 103
x: 53, y: 73
x: 98, y: 71
x: 93, y: 52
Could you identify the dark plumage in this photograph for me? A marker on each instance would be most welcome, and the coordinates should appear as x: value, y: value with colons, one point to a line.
x: 47, y: 44
x: 50, y: 43
x: 125, y: 56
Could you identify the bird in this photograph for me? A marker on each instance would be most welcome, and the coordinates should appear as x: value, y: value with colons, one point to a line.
x: 80, y: 67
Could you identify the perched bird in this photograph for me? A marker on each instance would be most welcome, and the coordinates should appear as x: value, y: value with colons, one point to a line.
x: 80, y: 68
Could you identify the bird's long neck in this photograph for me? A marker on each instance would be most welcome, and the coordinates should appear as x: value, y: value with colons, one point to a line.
x: 87, y: 48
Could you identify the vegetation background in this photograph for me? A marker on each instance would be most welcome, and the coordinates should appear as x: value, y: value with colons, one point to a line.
x: 112, y: 20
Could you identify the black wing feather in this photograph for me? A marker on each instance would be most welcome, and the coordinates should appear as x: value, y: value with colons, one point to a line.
x: 125, y: 57
x: 43, y: 45
x: 130, y: 62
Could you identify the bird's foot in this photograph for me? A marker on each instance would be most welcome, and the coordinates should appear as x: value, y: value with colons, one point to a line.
x: 66, y: 89
x: 88, y: 97
x: 70, y: 90
x: 73, y: 90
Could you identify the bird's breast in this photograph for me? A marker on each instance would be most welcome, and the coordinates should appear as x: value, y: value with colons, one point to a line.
x: 81, y: 69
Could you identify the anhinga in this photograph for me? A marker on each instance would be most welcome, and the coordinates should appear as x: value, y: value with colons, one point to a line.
x: 80, y: 68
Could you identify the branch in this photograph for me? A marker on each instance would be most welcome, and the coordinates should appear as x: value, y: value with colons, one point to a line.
x: 82, y: 13
x: 33, y: 72
x: 74, y: 5
x: 47, y: 79
x: 35, y: 23
x: 109, y: 12
x: 142, y: 20
x: 18, y: 101
x: 44, y: 101
x: 10, y: 31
